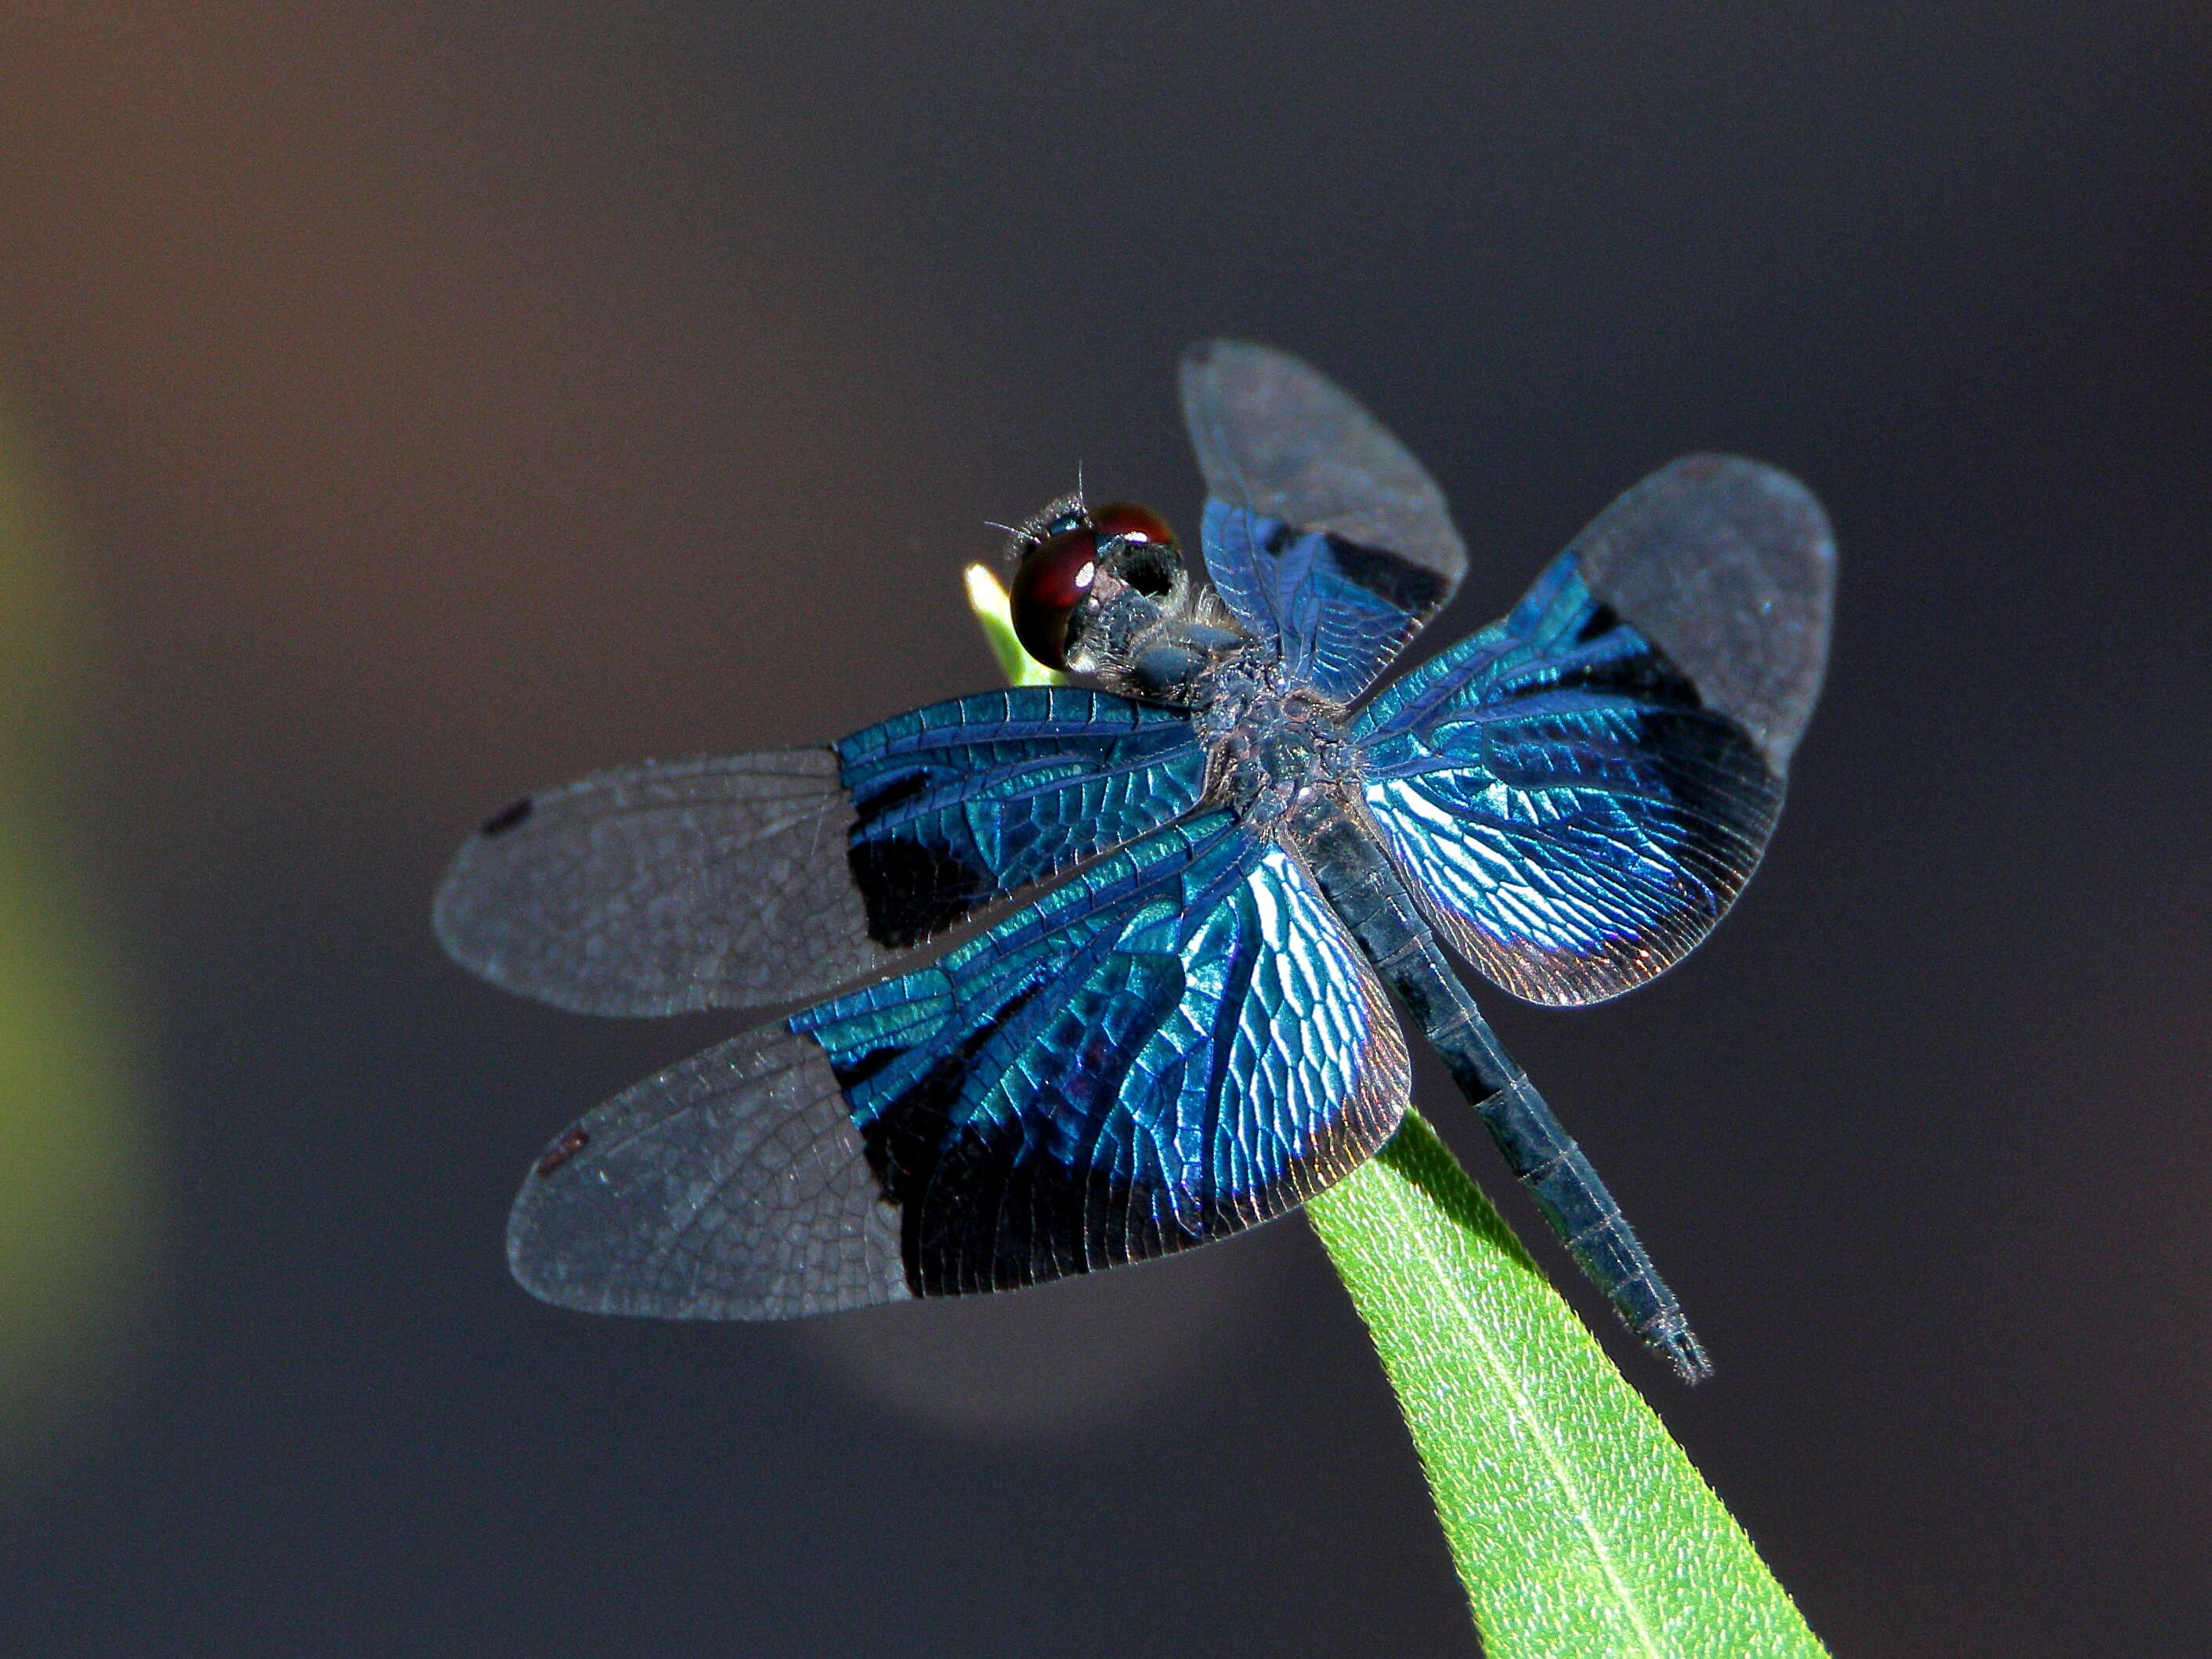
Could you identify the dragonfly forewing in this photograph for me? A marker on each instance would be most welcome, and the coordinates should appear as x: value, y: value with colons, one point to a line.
x: 663, y: 888
x: 750, y: 880
x: 1324, y: 535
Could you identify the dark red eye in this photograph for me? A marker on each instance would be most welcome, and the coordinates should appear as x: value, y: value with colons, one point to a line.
x: 1050, y: 582
x: 1138, y: 524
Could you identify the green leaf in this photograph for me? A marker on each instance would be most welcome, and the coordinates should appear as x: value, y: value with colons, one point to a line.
x: 1579, y: 1527
x: 988, y: 601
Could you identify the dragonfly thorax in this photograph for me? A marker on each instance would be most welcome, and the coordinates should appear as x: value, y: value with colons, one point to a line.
x: 1272, y: 745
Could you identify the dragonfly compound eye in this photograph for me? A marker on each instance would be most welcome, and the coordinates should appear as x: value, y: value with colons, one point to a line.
x: 1053, y: 578
x: 1138, y: 524
x: 1146, y: 557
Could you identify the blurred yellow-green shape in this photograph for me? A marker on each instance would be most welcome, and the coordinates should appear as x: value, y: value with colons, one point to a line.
x: 76, y: 1164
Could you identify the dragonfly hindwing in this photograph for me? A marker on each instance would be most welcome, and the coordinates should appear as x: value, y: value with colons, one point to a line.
x: 1574, y: 817
x: 1180, y: 1042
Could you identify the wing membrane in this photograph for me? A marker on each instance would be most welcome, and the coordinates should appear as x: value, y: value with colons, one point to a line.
x: 729, y: 1187
x: 1179, y: 1042
x: 967, y: 801
x: 1324, y: 535
x: 660, y: 888
x: 770, y: 878
x: 1729, y: 567
x: 1574, y: 816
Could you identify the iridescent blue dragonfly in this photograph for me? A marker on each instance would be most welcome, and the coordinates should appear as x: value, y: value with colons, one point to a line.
x: 1192, y: 1032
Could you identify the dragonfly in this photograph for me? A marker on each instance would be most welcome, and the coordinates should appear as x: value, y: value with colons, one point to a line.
x: 1096, y: 971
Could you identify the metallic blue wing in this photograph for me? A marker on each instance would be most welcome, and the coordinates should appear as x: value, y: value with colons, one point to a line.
x: 1324, y: 535
x: 1581, y: 791
x: 1336, y: 612
x: 1181, y: 1042
x: 965, y: 802
x: 1572, y: 815
x: 750, y: 879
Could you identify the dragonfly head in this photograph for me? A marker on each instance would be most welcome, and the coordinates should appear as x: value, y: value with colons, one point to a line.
x: 1089, y: 578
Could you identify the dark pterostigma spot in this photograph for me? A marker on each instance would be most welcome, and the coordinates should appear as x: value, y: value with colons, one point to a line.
x: 911, y: 890
x: 573, y: 1140
x: 1390, y: 579
x: 507, y: 817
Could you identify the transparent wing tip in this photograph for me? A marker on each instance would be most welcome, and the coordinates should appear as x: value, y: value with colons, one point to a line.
x: 544, y: 1262
x: 1728, y: 565
x: 1277, y: 436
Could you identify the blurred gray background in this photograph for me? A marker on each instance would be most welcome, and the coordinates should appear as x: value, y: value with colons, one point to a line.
x: 433, y: 401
